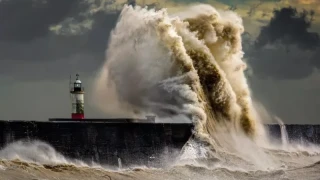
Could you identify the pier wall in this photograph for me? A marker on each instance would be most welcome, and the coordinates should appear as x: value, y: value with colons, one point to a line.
x: 133, y: 143
x: 296, y: 133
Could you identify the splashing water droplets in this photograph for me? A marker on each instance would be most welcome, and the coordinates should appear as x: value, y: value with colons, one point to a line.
x: 188, y: 64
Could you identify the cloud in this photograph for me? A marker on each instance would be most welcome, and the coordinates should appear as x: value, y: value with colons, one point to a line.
x: 257, y: 13
x: 285, y: 48
x: 43, y: 32
x: 57, y: 33
x: 289, y: 26
x: 23, y: 21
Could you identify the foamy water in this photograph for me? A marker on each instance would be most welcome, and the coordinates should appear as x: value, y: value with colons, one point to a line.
x: 187, y: 64
x: 20, y: 163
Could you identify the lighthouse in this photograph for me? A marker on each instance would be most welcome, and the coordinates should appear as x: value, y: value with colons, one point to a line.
x: 77, y: 99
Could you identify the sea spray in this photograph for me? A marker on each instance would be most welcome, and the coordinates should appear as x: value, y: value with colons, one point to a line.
x: 221, y: 33
x: 284, y: 134
x: 119, y: 163
x: 36, y: 152
x: 190, y: 64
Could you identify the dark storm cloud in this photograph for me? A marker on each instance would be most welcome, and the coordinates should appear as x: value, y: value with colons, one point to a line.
x: 25, y: 20
x: 25, y: 37
x: 25, y: 26
x: 285, y: 47
x: 289, y: 26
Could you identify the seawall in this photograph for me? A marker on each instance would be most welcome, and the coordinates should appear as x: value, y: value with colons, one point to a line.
x: 301, y: 133
x: 138, y: 143
x: 133, y: 143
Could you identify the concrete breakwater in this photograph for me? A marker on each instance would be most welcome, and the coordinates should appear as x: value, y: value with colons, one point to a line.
x: 301, y: 133
x: 103, y: 142
x: 139, y: 143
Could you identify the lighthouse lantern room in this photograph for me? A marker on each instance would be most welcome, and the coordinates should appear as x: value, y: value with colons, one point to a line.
x: 77, y: 99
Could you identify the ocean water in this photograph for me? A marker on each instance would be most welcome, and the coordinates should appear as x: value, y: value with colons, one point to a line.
x: 295, y: 165
x: 187, y: 63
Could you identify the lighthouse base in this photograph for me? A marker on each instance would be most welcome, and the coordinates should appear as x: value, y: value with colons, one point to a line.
x: 77, y: 116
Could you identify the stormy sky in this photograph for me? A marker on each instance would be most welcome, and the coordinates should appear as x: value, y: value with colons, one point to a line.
x: 42, y: 42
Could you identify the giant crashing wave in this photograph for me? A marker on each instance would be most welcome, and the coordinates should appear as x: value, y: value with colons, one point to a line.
x: 188, y: 63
